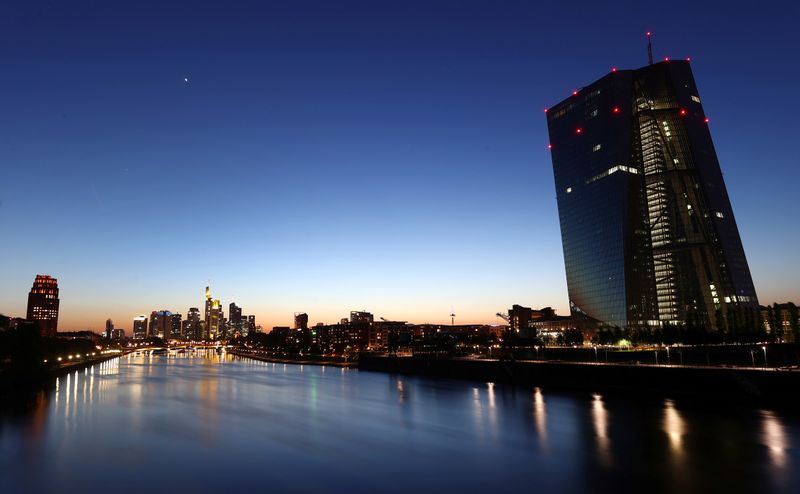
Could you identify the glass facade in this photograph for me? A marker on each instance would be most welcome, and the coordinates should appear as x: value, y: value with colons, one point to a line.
x: 647, y: 228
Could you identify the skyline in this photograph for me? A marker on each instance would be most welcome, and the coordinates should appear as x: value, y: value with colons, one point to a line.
x: 380, y: 162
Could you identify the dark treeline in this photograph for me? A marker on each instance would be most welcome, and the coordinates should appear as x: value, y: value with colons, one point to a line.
x: 738, y: 325
x: 23, y: 352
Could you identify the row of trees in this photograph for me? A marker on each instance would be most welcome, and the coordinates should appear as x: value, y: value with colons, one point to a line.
x: 737, y: 325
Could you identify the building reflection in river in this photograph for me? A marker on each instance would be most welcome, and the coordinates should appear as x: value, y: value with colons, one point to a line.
x: 540, y: 417
x: 674, y: 426
x: 600, y: 423
x: 774, y: 437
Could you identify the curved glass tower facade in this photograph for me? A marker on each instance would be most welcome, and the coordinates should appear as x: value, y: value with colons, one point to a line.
x: 647, y: 228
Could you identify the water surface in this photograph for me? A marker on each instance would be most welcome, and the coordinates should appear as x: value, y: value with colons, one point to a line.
x: 209, y: 423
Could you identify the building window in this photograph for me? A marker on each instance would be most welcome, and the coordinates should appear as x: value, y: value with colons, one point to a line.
x: 695, y: 99
x: 719, y: 215
x: 597, y: 147
x: 569, y: 189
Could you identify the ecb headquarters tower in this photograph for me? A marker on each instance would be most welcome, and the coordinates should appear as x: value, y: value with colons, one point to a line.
x: 647, y: 228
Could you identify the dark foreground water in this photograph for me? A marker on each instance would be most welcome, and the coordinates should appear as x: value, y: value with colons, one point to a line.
x: 223, y: 424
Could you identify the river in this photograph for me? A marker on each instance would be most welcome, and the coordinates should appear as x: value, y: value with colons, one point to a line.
x: 208, y: 423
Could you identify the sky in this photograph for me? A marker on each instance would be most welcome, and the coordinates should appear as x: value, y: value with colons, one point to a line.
x: 325, y: 156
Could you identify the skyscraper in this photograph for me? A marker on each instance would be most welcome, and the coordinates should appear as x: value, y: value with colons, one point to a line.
x: 235, y: 317
x: 193, y: 328
x: 176, y: 326
x: 213, y: 316
x: 647, y: 228
x: 109, y: 329
x: 43, y: 304
x: 140, y: 327
x: 160, y: 324
x: 251, y: 324
x: 300, y: 320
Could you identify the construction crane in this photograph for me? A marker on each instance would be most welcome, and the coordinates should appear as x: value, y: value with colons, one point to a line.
x: 503, y: 317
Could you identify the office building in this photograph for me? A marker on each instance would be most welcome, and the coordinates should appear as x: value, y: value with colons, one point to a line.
x: 193, y: 330
x: 300, y: 320
x: 160, y: 324
x: 176, y: 323
x: 235, y: 317
x: 43, y: 304
x: 251, y: 324
x: 140, y: 327
x: 213, y: 316
x: 109, y: 329
x: 648, y: 232
x: 360, y: 317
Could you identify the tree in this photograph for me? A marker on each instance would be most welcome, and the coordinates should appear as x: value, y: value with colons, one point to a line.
x: 794, y: 324
x: 771, y: 322
x: 573, y: 337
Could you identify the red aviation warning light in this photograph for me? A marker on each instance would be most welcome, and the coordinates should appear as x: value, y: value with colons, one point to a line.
x: 682, y: 112
x: 578, y: 131
x: 549, y: 146
x: 706, y: 120
x: 613, y: 69
x: 545, y: 110
x: 615, y: 110
x: 575, y: 93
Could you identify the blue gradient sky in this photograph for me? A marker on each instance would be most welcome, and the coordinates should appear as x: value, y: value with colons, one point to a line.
x: 334, y: 156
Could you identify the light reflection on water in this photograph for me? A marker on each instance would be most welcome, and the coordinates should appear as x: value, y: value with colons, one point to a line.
x: 205, y: 422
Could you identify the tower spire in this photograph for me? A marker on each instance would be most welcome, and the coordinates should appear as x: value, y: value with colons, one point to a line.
x: 649, y: 49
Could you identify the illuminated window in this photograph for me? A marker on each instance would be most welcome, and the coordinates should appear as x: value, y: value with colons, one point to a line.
x: 695, y: 99
x: 597, y: 147
x: 569, y: 189
x: 719, y: 214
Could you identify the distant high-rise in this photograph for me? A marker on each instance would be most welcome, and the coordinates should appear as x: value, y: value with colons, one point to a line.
x: 176, y: 326
x: 193, y: 329
x: 647, y: 228
x: 140, y: 327
x: 109, y: 329
x: 300, y: 320
x: 213, y: 316
x: 251, y: 324
x: 235, y: 317
x: 160, y: 324
x: 43, y: 304
x: 361, y: 317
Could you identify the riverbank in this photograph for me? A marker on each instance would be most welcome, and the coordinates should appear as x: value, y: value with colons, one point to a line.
x: 21, y: 391
x: 82, y: 364
x: 752, y: 385
x: 305, y: 360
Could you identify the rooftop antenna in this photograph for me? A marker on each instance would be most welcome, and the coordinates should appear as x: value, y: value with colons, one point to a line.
x: 452, y: 317
x: 649, y: 49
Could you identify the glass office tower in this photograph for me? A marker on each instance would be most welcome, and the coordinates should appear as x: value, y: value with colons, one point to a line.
x: 647, y: 228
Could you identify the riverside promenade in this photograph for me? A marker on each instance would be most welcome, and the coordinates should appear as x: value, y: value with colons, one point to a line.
x: 738, y: 384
